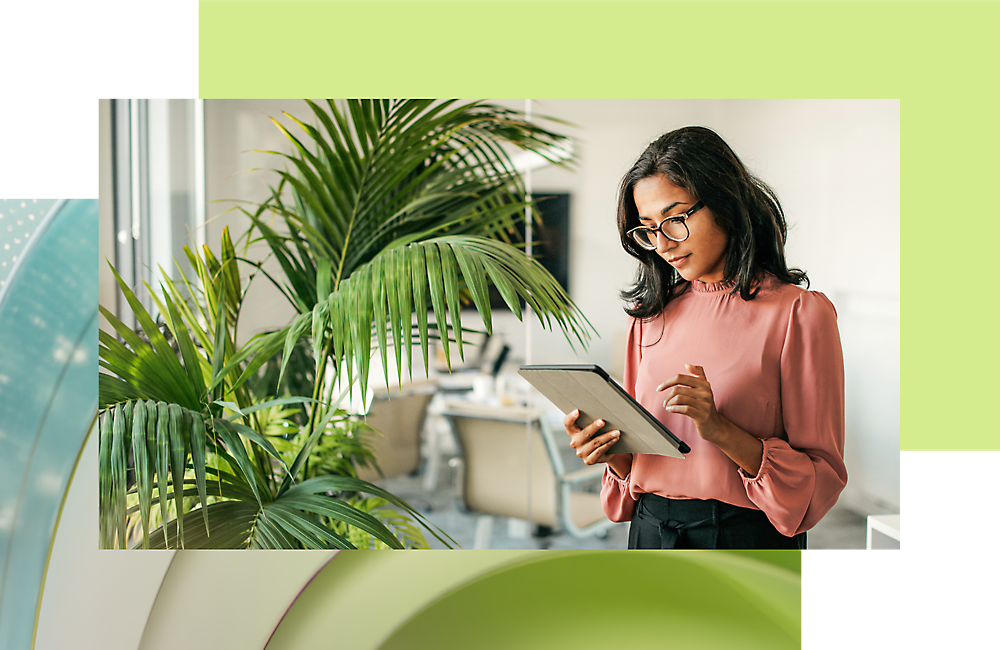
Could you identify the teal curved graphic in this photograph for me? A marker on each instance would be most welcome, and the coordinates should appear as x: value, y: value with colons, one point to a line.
x: 48, y: 396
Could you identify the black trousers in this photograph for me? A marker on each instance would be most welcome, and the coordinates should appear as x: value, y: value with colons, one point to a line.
x: 694, y: 523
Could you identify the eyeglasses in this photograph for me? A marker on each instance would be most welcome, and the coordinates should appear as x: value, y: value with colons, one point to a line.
x: 673, y: 228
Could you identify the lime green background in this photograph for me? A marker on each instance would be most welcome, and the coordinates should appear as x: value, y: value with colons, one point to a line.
x: 938, y: 58
x: 606, y: 600
x: 548, y: 599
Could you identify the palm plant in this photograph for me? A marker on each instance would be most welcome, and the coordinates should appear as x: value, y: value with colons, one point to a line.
x: 397, y: 204
x: 187, y: 441
x: 389, y: 210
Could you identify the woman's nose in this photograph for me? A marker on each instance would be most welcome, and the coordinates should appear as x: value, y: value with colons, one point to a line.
x: 663, y: 243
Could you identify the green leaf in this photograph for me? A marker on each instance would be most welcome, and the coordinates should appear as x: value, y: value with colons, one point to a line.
x: 231, y: 270
x: 113, y: 390
x: 333, y: 166
x: 436, y: 281
x: 269, y: 534
x: 192, y: 361
x: 300, y: 283
x: 105, y: 487
x: 419, y: 274
x: 307, y: 447
x: 230, y: 486
x: 163, y: 459
x: 178, y: 432
x: 320, y: 322
x: 219, y: 347
x: 251, y: 435
x: 406, y: 306
x: 390, y: 269
x: 190, y: 319
x: 199, y: 443
x: 305, y: 529
x: 321, y: 198
x: 141, y: 367
x: 271, y: 403
x: 379, y: 298
x: 345, y: 512
x: 227, y: 434
x: 298, y: 328
x: 232, y: 523
x: 322, y: 484
x: 119, y: 450
x: 402, y: 526
x: 174, y: 376
x: 232, y: 406
x: 323, y: 279
x: 143, y: 467
x: 450, y: 273
x: 475, y: 278
x: 260, y: 349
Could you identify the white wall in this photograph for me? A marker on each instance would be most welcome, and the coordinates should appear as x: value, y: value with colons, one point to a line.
x: 235, y: 132
x: 835, y: 167
x: 833, y: 163
x: 107, y: 288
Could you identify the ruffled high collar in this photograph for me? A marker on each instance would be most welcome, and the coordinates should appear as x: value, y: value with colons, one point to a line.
x: 711, y: 287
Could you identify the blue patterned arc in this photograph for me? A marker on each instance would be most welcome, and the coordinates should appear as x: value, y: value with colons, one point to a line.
x: 48, y: 399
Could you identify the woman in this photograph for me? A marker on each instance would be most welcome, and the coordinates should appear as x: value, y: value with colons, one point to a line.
x: 729, y: 353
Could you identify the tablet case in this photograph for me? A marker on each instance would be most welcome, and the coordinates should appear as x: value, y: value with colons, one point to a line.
x: 597, y: 395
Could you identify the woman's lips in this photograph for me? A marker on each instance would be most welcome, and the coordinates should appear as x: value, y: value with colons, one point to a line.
x: 676, y: 261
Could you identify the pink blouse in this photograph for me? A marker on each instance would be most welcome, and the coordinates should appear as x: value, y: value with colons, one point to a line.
x: 777, y: 371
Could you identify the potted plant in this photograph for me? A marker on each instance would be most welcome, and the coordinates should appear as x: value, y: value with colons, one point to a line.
x: 389, y: 210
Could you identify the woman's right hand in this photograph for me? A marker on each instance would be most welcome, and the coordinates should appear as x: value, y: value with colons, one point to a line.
x: 592, y: 447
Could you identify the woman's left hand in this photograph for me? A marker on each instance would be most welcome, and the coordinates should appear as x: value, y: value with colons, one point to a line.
x: 691, y: 395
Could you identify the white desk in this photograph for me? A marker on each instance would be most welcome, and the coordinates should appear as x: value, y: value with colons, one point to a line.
x: 898, y: 527
x: 883, y: 532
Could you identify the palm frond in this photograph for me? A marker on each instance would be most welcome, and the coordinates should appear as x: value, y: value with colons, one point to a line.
x: 440, y: 270
x: 418, y: 169
x: 163, y: 440
x: 150, y: 369
x: 402, y: 526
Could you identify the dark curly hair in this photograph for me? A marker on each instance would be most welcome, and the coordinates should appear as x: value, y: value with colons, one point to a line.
x: 746, y: 209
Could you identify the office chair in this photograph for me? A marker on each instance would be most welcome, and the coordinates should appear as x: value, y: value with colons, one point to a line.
x: 398, y: 416
x: 494, y: 467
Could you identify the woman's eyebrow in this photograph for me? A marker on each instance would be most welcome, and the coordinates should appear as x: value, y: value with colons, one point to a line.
x: 663, y: 211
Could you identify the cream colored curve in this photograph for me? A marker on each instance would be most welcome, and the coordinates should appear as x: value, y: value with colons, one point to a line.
x: 52, y: 542
x: 122, y: 600
x: 227, y: 599
x: 279, y: 599
x: 93, y: 598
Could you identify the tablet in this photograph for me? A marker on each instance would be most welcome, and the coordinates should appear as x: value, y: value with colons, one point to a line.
x: 598, y: 396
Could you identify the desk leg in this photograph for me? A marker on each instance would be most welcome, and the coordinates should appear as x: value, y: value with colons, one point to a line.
x: 484, y: 531
x: 433, y: 453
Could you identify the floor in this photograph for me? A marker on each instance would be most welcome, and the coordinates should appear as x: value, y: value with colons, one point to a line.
x: 840, y: 529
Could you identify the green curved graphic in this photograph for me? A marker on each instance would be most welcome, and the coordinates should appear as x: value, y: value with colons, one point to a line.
x: 600, y: 599
x: 548, y: 599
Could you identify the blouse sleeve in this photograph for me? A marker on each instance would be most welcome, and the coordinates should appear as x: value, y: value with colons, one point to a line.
x: 616, y: 499
x: 800, y: 480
